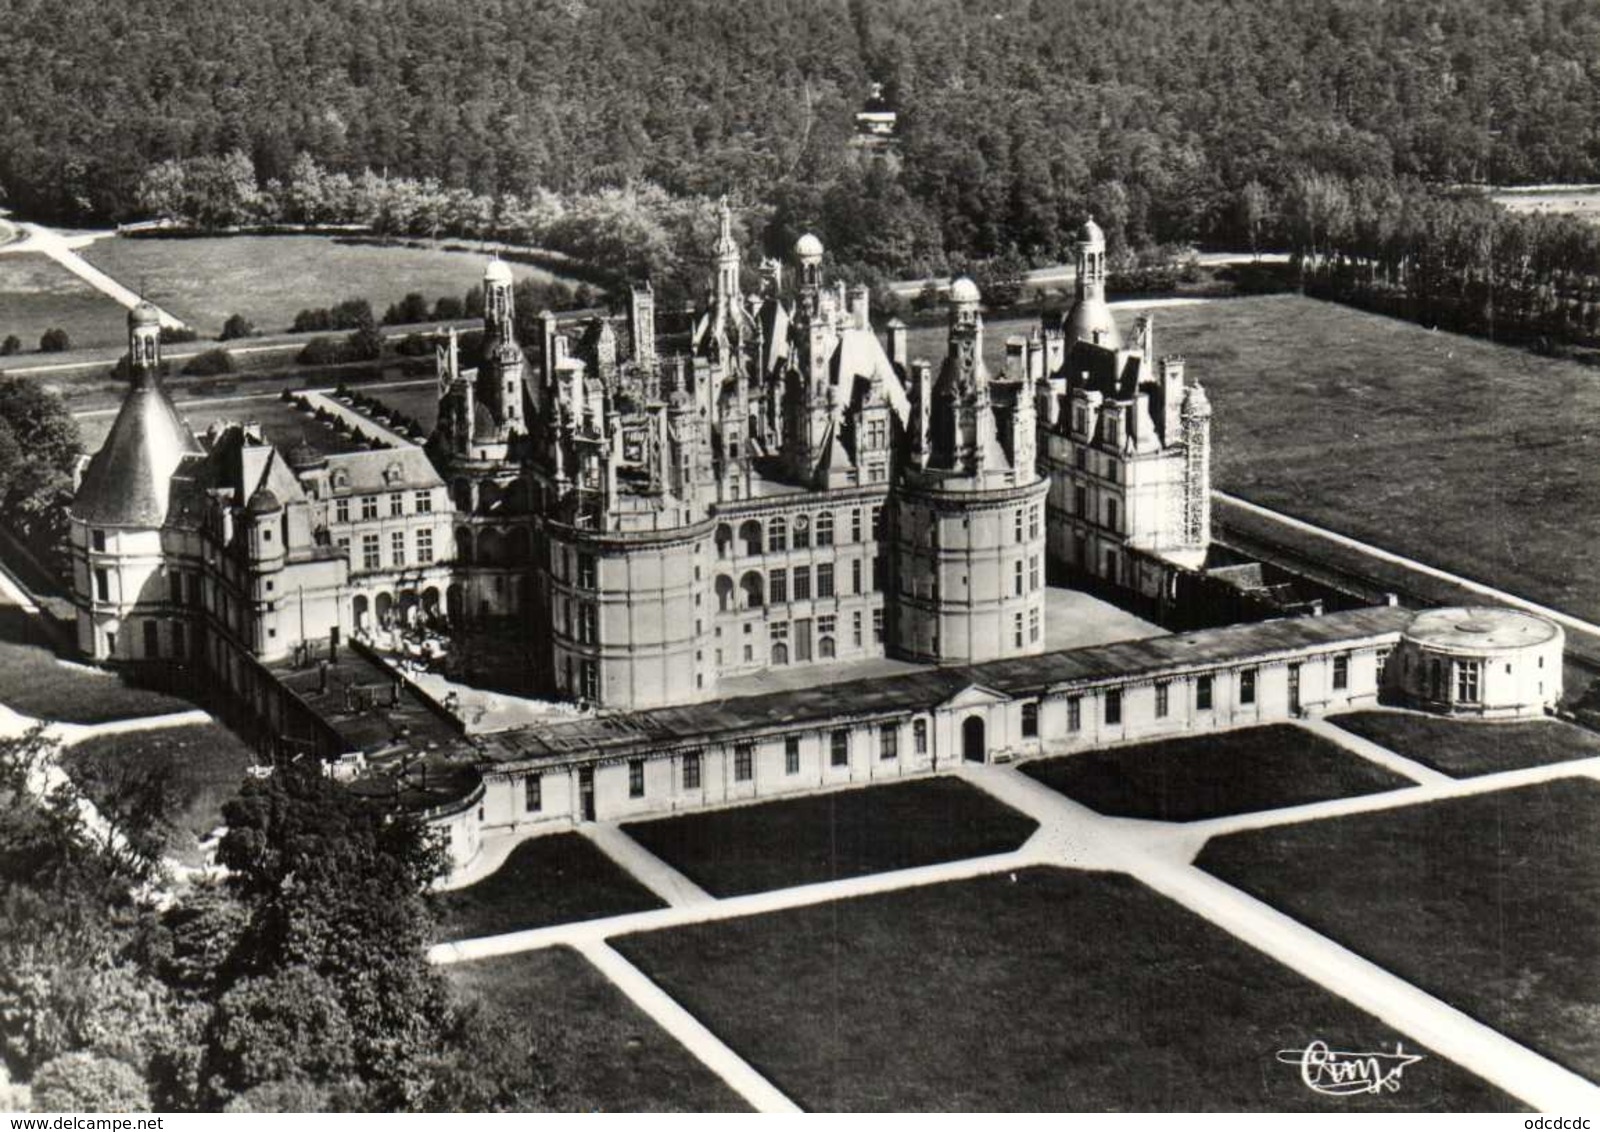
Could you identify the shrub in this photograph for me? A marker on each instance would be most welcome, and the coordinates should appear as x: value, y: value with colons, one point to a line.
x: 54, y: 341
x: 321, y: 352
x: 237, y: 326
x: 12, y: 345
x: 210, y: 364
x: 171, y: 334
x: 87, y: 1082
x: 412, y: 308
x: 448, y: 308
x: 414, y: 346
x: 311, y: 320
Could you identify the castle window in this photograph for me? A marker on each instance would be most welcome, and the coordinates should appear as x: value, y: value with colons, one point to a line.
x: 877, y: 432
x: 825, y: 529
x: 1382, y: 659
x: 588, y: 623
x: 1016, y: 578
x: 1016, y: 524
x: 591, y: 680
x: 1111, y: 514
x: 1082, y: 454
x: 397, y: 505
x: 533, y: 793
x: 370, y: 555
x: 888, y: 742
x: 802, y: 532
x: 636, y: 778
x: 877, y: 575
x: 1111, y: 470
x: 178, y: 641
x: 397, y: 546
x: 691, y: 770
x: 877, y: 524
x: 588, y: 572
x: 825, y: 579
x: 369, y: 506
x: 919, y: 736
x: 1202, y: 693
x: 778, y: 586
x: 839, y: 748
x: 1161, y: 700
x: 802, y: 583
x: 1080, y: 501
x: 1033, y: 625
x: 877, y: 626
x: 423, y: 501
x: 826, y: 648
x: 1467, y: 674
x: 341, y: 509
x: 778, y: 534
x: 1033, y: 573
x: 425, y: 546
x: 1113, y: 706
x: 97, y: 540
x: 855, y: 524
x: 1033, y: 520
x: 1341, y: 672
x: 1074, y: 713
x: 266, y: 534
x: 855, y: 628
x: 743, y: 762
x: 791, y: 755
x: 1030, y: 720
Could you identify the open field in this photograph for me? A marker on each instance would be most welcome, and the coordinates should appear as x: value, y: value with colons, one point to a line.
x: 1466, y: 455
x: 37, y: 293
x: 553, y: 879
x: 34, y: 683
x: 196, y: 767
x: 1043, y: 989
x: 1464, y: 747
x: 269, y: 279
x: 585, y: 1046
x: 1582, y: 201
x: 830, y: 836
x: 1208, y: 776
x: 420, y: 402
x: 1489, y: 901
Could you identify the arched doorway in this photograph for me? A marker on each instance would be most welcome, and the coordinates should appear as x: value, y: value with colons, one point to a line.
x: 972, y: 748
x: 430, y: 602
x: 384, y: 608
x: 358, y: 612
x: 455, y: 603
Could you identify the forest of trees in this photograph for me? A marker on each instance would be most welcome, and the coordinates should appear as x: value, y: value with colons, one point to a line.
x: 1017, y: 116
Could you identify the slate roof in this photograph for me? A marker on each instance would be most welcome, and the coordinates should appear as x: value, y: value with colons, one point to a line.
x: 128, y: 482
x: 900, y: 695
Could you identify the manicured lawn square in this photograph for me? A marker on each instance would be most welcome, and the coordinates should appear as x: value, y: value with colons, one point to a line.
x: 1039, y: 990
x: 827, y: 837
x: 1491, y: 902
x: 546, y: 880
x: 587, y: 1047
x: 1212, y: 775
x: 1465, y: 747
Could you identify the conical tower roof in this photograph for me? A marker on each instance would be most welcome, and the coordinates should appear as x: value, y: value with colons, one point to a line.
x: 127, y: 482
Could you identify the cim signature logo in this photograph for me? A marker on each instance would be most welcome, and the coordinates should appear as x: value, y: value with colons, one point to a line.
x: 1340, y: 1073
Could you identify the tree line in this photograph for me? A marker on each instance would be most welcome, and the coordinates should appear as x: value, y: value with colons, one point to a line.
x: 1445, y: 258
x: 298, y: 984
x: 1016, y: 116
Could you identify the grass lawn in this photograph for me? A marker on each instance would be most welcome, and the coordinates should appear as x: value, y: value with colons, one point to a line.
x: 420, y: 401
x: 34, y: 682
x: 37, y: 293
x: 1209, y: 776
x: 283, y: 423
x: 1491, y: 902
x: 1042, y: 990
x: 846, y: 833
x: 1463, y: 747
x: 1441, y: 453
x: 195, y: 768
x: 268, y: 279
x: 553, y: 879
x: 587, y: 1047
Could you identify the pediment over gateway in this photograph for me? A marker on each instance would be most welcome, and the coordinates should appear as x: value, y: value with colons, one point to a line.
x: 973, y: 695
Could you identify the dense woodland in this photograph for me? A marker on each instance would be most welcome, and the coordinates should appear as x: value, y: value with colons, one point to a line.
x: 533, y: 118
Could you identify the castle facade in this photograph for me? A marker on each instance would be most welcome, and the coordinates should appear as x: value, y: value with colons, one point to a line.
x: 664, y: 501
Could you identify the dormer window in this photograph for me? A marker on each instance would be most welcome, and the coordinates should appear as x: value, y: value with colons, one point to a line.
x: 340, y: 478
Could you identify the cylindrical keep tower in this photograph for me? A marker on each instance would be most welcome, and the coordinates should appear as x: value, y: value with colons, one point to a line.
x: 630, y: 619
